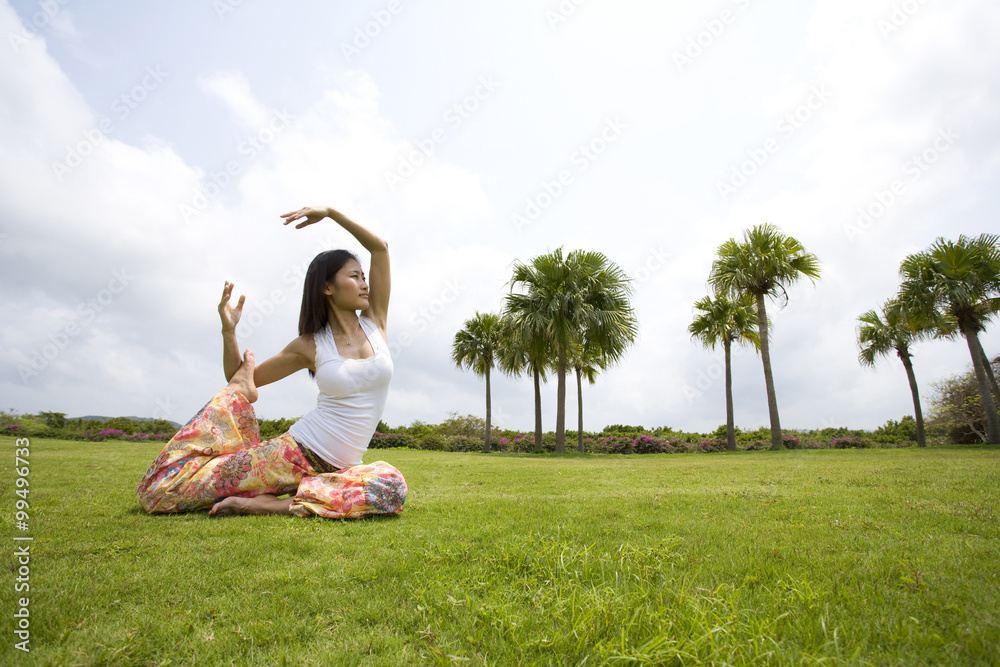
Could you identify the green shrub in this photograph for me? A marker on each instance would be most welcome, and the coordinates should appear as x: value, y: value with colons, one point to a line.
x: 723, y: 432
x: 434, y: 442
x: 418, y: 429
x: 469, y: 426
x: 622, y: 430
x: 896, y: 433
x: 762, y: 433
x: 393, y: 441
x: 272, y: 428
x: 8, y: 418
x: 466, y: 443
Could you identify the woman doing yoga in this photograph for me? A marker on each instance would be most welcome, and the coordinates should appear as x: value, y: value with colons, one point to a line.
x: 217, y: 460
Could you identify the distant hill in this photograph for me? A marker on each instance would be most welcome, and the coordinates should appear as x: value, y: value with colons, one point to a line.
x: 98, y: 418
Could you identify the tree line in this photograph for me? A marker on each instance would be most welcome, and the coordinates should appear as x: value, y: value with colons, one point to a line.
x: 563, y: 311
x: 951, y: 289
x: 572, y: 311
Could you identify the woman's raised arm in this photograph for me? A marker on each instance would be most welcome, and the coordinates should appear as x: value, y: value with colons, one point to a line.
x: 379, y: 282
x: 230, y: 318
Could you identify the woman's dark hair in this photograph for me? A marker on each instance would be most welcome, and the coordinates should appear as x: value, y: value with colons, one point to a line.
x: 312, y: 315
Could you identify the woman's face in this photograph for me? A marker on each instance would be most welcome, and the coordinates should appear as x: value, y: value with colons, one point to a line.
x: 349, y: 289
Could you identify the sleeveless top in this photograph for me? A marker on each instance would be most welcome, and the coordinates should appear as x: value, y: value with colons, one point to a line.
x: 352, y: 395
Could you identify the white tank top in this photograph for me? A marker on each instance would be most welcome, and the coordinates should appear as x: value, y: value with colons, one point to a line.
x: 352, y: 395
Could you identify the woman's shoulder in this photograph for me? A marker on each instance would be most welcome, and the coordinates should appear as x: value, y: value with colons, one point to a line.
x: 305, y: 345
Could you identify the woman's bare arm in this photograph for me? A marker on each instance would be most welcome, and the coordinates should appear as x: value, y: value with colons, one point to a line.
x: 299, y: 354
x: 231, y: 358
x: 379, y: 282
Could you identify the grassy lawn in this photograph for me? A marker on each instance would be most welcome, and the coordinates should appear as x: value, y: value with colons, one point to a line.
x: 879, y: 557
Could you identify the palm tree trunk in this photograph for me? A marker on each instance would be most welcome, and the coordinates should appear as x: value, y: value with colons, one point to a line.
x: 992, y: 423
x: 904, y: 355
x: 988, y: 367
x: 730, y: 420
x: 777, y: 440
x: 579, y: 412
x: 489, y: 412
x: 538, y: 409
x: 561, y: 403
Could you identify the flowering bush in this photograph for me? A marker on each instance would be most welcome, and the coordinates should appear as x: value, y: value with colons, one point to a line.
x: 849, y: 443
x: 647, y: 444
x: 812, y: 444
x: 610, y: 444
x: 524, y: 442
x: 621, y: 444
x: 712, y: 445
x: 755, y: 445
x: 99, y: 435
x: 145, y: 437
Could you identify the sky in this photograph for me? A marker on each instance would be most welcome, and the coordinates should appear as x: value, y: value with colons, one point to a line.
x: 148, y: 149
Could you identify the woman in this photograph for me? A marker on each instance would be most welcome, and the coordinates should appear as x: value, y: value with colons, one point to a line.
x: 217, y: 459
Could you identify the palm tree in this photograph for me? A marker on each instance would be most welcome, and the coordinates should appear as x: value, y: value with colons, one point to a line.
x: 960, y: 279
x: 580, y: 296
x: 475, y: 347
x: 726, y: 321
x: 587, y: 363
x: 604, y: 341
x: 763, y: 265
x: 521, y: 351
x: 878, y: 335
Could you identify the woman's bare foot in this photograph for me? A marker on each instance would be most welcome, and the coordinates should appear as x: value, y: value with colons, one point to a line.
x: 262, y: 504
x: 242, y: 380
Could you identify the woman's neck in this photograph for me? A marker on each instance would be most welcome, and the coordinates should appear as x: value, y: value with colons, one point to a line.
x: 343, y: 322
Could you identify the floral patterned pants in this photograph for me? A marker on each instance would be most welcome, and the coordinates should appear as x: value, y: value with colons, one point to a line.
x: 219, y: 454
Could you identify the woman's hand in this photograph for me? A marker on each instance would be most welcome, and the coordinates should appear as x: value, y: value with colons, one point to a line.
x: 230, y: 316
x: 309, y: 215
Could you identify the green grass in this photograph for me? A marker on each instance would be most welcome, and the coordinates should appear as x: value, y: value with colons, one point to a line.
x: 879, y: 557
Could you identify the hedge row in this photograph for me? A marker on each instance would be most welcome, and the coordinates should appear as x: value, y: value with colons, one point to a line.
x: 90, y: 434
x: 524, y: 442
x: 613, y: 444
